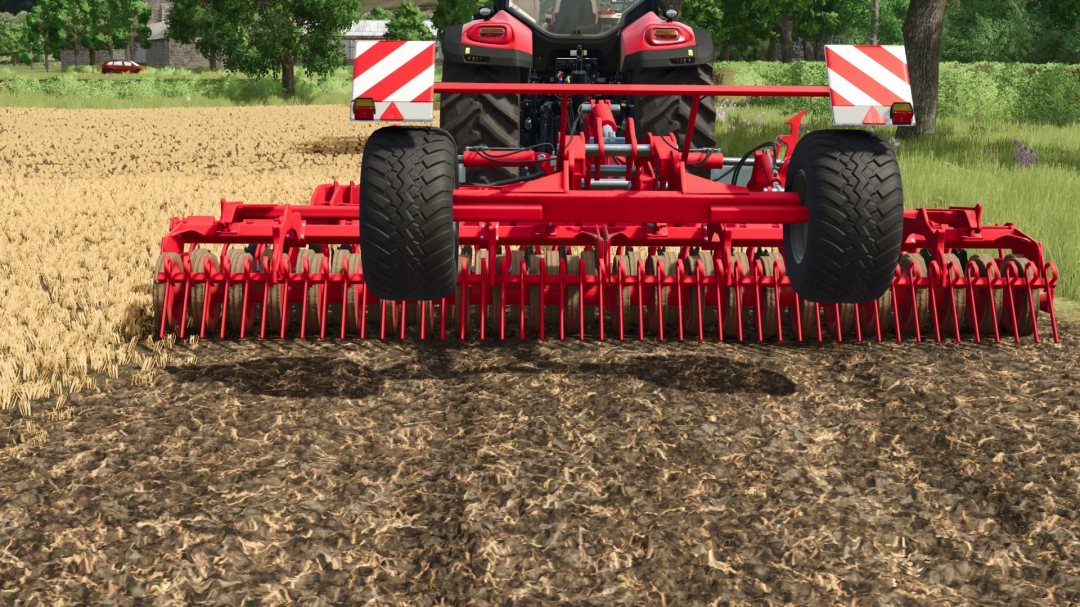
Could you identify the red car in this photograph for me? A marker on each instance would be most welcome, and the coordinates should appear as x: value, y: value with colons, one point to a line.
x: 120, y: 65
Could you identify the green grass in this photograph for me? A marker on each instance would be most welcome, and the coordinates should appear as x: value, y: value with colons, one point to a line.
x: 113, y: 103
x: 82, y: 88
x: 952, y: 168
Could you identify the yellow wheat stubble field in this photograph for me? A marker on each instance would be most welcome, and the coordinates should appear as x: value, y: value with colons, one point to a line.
x: 85, y: 197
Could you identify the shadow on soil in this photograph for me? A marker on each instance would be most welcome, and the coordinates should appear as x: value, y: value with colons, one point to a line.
x: 332, y: 146
x: 329, y: 376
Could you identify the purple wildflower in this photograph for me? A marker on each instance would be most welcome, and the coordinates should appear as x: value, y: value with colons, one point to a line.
x: 1024, y: 156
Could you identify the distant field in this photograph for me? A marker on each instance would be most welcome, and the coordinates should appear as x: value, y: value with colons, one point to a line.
x: 163, y: 88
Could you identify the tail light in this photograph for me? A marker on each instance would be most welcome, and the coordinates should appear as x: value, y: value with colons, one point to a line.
x: 363, y: 109
x: 661, y: 36
x: 493, y: 34
x: 902, y: 113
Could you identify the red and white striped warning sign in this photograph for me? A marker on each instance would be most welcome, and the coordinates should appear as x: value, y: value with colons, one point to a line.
x: 394, y: 81
x: 864, y: 82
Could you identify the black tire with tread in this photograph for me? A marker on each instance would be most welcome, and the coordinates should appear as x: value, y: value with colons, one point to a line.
x: 407, y: 232
x: 474, y: 120
x: 661, y: 115
x: 849, y: 248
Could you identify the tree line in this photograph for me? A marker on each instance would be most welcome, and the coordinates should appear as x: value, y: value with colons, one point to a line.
x: 259, y: 38
x: 52, y: 26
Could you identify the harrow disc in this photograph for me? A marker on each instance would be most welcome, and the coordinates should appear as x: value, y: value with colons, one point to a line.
x: 505, y: 307
x: 550, y: 261
x: 1016, y: 298
x: 913, y: 311
x: 663, y: 306
x: 946, y: 298
x: 840, y: 320
x: 875, y: 315
x: 240, y: 314
x: 313, y: 317
x: 578, y: 316
x: 699, y: 296
x: 202, y: 294
x: 168, y: 297
x: 766, y: 295
x: 283, y: 310
x: 983, y: 313
x: 733, y: 301
x: 630, y: 297
x: 358, y: 315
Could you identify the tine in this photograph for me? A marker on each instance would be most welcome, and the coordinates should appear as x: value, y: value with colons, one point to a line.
x: 641, y: 299
x: 521, y: 302
x: 542, y: 293
x: 581, y: 297
x: 817, y: 309
x: 226, y: 268
x: 187, y: 295
x: 858, y: 324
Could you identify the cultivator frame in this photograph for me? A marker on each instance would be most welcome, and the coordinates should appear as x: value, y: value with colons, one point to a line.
x: 612, y: 196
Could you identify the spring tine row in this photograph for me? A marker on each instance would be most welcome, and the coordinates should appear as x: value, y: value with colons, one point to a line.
x: 1024, y: 292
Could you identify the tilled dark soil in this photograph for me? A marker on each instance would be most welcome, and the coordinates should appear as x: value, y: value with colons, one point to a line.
x: 584, y: 473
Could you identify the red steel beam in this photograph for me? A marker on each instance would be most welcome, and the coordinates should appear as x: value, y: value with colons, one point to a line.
x: 604, y: 207
x: 593, y: 90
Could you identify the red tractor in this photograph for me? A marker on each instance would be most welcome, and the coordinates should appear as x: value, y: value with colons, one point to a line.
x: 575, y: 42
x: 576, y: 186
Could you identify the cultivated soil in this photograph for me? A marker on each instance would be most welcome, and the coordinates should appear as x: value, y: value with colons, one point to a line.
x: 262, y: 473
x: 582, y: 473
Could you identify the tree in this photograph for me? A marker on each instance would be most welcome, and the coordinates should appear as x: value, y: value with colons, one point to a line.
x: 194, y: 23
x: 922, y: 39
x: 132, y: 17
x: 65, y: 23
x: 258, y: 38
x: 452, y: 12
x: 875, y: 10
x: 98, y: 34
x: 1029, y: 31
x: 379, y: 14
x: 706, y: 14
x: 407, y: 23
x: 40, y: 34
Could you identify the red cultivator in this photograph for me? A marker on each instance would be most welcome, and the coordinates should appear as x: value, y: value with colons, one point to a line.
x: 608, y: 234
x: 556, y: 199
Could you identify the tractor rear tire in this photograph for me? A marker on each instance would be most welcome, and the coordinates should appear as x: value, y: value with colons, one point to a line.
x: 848, y: 249
x: 408, y: 237
x: 661, y: 115
x: 490, y: 120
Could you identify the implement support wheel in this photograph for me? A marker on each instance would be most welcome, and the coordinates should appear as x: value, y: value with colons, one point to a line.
x: 847, y: 251
x: 407, y: 232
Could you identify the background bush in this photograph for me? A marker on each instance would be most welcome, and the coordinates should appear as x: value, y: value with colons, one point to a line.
x: 173, y: 83
x: 1047, y: 93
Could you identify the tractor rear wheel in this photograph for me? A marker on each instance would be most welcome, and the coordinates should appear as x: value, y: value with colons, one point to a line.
x: 407, y: 232
x: 474, y: 120
x: 848, y: 249
x: 661, y: 115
